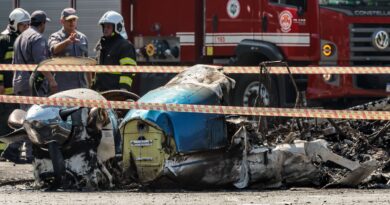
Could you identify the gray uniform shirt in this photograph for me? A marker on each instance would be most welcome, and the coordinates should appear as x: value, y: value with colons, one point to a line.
x: 70, y: 80
x: 29, y: 48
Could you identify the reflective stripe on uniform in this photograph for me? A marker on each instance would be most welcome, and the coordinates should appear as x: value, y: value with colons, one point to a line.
x: 2, y: 146
x: 1, y: 77
x: 8, y: 55
x: 126, y: 80
x: 9, y: 91
x: 127, y: 61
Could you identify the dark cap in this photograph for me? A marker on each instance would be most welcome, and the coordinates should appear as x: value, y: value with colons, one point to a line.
x: 39, y: 17
x: 69, y: 13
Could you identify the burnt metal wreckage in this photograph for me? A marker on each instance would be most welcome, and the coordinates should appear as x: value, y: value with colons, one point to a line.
x: 92, y: 148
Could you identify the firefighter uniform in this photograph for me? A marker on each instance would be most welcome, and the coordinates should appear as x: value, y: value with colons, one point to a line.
x: 18, y: 22
x: 114, y: 50
x: 7, y: 39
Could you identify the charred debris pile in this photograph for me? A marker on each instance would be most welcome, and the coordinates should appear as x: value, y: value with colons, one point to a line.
x: 357, y: 140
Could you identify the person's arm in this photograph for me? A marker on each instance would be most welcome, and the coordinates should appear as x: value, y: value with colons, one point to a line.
x: 127, y: 57
x: 57, y: 46
x: 52, y: 82
x: 40, y: 52
x: 3, y: 48
x: 54, y: 40
x: 86, y: 45
x: 2, y: 88
x: 88, y: 75
x: 97, y: 49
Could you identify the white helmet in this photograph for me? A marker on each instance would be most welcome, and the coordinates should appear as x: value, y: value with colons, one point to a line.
x: 115, y: 18
x: 17, y: 16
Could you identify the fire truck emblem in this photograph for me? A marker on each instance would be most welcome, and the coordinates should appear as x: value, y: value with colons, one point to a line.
x: 233, y: 8
x: 285, y: 21
x: 150, y: 50
x: 380, y: 40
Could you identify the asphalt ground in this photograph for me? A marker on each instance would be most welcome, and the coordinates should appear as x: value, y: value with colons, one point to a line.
x: 15, y: 173
x: 16, y: 181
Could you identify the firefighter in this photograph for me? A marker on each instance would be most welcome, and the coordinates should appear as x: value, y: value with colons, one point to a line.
x: 114, y: 49
x: 19, y: 21
x: 69, y: 42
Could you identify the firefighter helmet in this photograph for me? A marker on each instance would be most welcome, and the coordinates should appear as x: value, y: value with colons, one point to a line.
x: 115, y: 18
x: 17, y: 16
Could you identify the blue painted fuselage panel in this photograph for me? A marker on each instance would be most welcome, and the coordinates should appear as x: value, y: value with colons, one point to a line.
x: 191, y: 131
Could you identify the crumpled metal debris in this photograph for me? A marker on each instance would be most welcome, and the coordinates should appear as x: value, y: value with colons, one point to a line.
x: 357, y: 140
x: 205, y: 76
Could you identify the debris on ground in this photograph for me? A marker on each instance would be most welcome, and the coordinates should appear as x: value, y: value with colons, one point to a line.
x: 357, y: 140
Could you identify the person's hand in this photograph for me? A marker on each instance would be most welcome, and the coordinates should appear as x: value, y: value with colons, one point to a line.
x: 53, y: 86
x: 73, y: 38
x: 2, y: 90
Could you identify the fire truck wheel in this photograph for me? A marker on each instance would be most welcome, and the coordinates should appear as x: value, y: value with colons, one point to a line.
x: 247, y: 90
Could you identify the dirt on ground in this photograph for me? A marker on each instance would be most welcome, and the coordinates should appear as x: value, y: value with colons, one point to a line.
x: 16, y: 180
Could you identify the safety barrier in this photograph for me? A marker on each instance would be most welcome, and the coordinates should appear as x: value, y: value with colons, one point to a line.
x: 177, y: 69
x: 226, y: 110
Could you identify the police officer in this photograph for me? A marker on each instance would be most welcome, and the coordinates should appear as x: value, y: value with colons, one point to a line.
x: 31, y: 48
x: 114, y: 49
x: 69, y: 42
x: 19, y: 21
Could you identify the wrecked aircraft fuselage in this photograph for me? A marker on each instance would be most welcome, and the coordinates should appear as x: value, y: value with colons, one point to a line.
x: 195, y: 149
x: 72, y: 146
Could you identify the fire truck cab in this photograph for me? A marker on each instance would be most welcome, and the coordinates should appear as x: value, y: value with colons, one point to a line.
x: 247, y: 32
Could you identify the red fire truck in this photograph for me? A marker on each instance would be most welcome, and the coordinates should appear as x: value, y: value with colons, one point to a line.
x: 247, y: 32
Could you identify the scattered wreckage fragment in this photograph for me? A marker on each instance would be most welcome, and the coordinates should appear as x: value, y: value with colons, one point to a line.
x: 378, y: 105
x: 365, y: 141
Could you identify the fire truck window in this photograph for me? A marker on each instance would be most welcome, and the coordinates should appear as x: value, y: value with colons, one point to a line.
x: 355, y: 3
x: 285, y: 2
